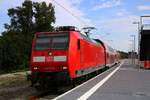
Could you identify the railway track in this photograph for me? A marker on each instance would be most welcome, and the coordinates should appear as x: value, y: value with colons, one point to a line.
x: 49, y: 93
x: 52, y: 93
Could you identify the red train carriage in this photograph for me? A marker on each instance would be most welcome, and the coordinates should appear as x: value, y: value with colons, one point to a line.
x: 111, y: 55
x: 66, y: 53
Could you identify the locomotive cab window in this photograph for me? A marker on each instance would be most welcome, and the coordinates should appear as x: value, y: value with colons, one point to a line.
x: 42, y: 43
x: 59, y: 42
x: 51, y: 41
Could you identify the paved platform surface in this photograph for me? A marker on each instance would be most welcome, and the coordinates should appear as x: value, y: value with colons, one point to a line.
x: 126, y: 82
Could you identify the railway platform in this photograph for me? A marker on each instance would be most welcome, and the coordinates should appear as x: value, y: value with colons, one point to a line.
x: 123, y: 82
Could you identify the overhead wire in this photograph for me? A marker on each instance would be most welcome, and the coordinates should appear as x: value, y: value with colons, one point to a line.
x: 76, y: 17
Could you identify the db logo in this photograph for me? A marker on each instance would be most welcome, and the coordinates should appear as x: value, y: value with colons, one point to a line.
x: 49, y: 58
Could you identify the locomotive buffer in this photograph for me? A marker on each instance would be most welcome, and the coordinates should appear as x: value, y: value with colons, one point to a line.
x: 122, y: 82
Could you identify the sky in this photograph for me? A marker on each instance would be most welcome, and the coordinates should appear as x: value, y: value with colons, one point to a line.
x: 113, y: 19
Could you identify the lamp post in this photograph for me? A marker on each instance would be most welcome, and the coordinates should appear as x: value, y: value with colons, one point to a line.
x: 138, y: 23
x: 133, y: 51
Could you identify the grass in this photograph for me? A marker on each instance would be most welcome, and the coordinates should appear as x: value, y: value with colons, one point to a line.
x: 8, y: 80
x: 13, y: 71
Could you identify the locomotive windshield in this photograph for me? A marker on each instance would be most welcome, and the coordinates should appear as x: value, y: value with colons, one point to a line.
x: 51, y: 41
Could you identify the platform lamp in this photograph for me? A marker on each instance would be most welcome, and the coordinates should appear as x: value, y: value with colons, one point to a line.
x: 133, y: 51
x: 138, y: 24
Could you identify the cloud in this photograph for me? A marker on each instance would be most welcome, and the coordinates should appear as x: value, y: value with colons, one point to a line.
x: 143, y: 7
x: 121, y: 24
x: 62, y: 16
x: 107, y: 4
x: 120, y: 28
x: 4, y: 6
x: 122, y: 12
x: 73, y: 16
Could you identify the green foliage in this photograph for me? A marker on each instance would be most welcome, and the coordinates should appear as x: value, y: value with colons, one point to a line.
x: 15, y: 42
x: 42, y: 14
x: 123, y: 55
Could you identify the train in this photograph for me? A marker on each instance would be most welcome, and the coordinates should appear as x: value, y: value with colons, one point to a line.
x: 66, y: 53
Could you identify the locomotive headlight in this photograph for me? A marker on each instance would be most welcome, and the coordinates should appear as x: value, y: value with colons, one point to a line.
x: 35, y: 68
x: 49, y: 53
x: 64, y: 67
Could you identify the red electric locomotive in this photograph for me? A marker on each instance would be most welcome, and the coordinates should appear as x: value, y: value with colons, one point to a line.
x: 66, y: 53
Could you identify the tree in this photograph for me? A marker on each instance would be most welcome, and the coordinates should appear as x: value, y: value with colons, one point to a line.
x: 123, y: 54
x: 44, y: 16
x: 10, y: 51
x: 0, y: 52
x: 21, y: 18
x: 15, y: 42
